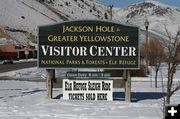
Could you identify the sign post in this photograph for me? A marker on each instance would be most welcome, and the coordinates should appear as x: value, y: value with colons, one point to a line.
x: 127, y: 78
x: 26, y: 52
x: 49, y: 83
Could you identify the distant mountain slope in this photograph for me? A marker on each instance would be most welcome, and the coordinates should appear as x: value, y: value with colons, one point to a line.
x: 159, y: 15
x: 20, y: 18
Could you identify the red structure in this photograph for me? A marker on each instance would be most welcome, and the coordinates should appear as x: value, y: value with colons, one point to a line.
x: 9, y: 54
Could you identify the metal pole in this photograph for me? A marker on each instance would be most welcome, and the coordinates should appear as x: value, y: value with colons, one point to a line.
x: 111, y: 12
x: 146, y: 50
x: 26, y: 57
x: 146, y: 54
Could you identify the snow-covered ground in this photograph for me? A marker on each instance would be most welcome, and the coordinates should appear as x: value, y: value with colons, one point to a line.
x: 21, y: 61
x: 38, y: 73
x: 27, y: 100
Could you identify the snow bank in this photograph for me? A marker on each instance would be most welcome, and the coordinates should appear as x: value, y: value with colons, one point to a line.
x: 27, y: 100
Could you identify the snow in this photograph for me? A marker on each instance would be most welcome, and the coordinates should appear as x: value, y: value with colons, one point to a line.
x: 27, y: 99
x: 27, y: 15
x: 158, y: 3
x: 24, y: 15
x: 34, y: 73
x: 13, y: 11
x: 5, y: 41
x: 76, y: 7
x: 157, y: 23
x: 38, y: 73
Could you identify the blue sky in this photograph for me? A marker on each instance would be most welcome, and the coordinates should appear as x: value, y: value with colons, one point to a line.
x: 125, y: 3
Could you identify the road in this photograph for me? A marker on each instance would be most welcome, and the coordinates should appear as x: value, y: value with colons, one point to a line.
x: 16, y: 66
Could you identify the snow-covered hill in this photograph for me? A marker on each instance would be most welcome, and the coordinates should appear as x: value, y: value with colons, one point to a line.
x: 159, y: 16
x: 19, y: 19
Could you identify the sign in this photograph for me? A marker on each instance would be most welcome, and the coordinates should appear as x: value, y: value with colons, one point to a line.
x: 88, y: 89
x: 88, y: 44
x: 26, y: 51
x: 72, y: 75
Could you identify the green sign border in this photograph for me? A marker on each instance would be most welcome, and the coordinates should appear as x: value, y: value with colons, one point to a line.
x: 77, y: 66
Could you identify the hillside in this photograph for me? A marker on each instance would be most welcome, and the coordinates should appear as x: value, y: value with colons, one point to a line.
x: 20, y: 18
x: 159, y: 16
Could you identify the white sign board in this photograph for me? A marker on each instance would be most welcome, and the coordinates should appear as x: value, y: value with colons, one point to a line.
x: 87, y: 89
x: 26, y: 51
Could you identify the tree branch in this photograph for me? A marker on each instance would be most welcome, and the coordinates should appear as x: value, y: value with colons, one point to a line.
x: 176, y: 89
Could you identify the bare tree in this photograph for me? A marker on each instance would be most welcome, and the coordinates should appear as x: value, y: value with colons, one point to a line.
x: 156, y: 54
x: 172, y: 46
x: 163, y: 91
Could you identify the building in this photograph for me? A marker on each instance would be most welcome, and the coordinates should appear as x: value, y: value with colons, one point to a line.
x: 16, y: 52
x: 8, y: 51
